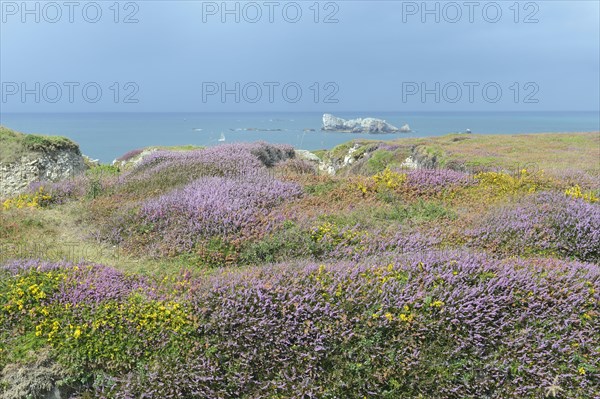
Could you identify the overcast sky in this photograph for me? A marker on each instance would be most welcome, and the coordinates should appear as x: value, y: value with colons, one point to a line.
x: 360, y: 55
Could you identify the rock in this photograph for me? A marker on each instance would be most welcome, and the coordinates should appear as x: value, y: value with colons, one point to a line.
x: 405, y: 129
x: 409, y: 163
x: 360, y: 125
x: 348, y: 159
x: 307, y: 155
x: 424, y: 158
x: 331, y: 164
x: 16, y: 176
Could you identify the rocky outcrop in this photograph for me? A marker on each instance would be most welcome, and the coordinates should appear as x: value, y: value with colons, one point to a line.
x: 133, y: 158
x: 352, y: 155
x: 55, y: 165
x: 360, y: 125
x: 423, y: 157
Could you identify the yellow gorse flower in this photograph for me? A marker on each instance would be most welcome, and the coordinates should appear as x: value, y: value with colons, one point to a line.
x: 575, y: 192
x: 505, y: 183
x: 389, y: 179
x: 39, y: 199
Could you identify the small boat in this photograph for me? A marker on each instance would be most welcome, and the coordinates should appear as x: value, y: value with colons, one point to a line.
x: 197, y: 129
x: 222, y: 138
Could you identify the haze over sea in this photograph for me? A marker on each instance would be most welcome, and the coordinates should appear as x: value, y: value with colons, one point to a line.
x: 106, y: 136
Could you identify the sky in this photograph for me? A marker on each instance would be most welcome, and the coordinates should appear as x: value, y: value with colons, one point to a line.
x: 328, y: 56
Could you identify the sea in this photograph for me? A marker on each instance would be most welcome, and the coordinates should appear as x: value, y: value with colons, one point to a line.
x: 106, y: 136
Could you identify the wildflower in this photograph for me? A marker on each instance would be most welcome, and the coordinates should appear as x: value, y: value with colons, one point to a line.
x: 575, y: 192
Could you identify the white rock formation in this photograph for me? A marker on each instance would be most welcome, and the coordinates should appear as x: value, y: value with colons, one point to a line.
x: 360, y: 125
x: 57, y: 165
x: 409, y: 163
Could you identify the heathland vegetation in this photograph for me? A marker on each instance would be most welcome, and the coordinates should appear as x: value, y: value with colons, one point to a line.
x: 241, y: 271
x: 14, y: 144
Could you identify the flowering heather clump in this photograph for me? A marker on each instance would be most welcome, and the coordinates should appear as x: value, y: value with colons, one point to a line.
x: 162, y: 170
x: 64, y: 190
x: 130, y: 154
x: 214, y: 206
x: 223, y: 160
x: 573, y: 177
x: 436, y: 324
x: 436, y: 180
x: 545, y: 223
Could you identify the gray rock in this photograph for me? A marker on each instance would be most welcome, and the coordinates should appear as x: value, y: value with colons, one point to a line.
x: 51, y: 166
x: 309, y: 156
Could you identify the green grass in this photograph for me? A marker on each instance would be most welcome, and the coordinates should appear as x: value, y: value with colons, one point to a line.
x: 13, y: 144
x: 548, y: 151
x: 414, y: 213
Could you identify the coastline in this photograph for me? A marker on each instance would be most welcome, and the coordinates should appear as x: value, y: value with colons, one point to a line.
x: 108, y: 136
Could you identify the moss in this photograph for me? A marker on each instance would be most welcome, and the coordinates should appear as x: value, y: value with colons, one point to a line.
x: 13, y: 144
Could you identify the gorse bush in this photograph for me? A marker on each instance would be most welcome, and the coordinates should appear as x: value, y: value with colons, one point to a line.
x: 505, y: 184
x: 98, y: 319
x: 39, y: 198
x: 429, y: 324
x: 576, y: 192
x: 388, y: 179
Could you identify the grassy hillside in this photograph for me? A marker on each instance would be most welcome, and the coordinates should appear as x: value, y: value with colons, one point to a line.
x: 239, y: 271
x: 14, y: 144
x: 550, y: 152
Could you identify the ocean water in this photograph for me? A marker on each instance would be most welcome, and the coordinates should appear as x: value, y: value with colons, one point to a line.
x: 106, y: 136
